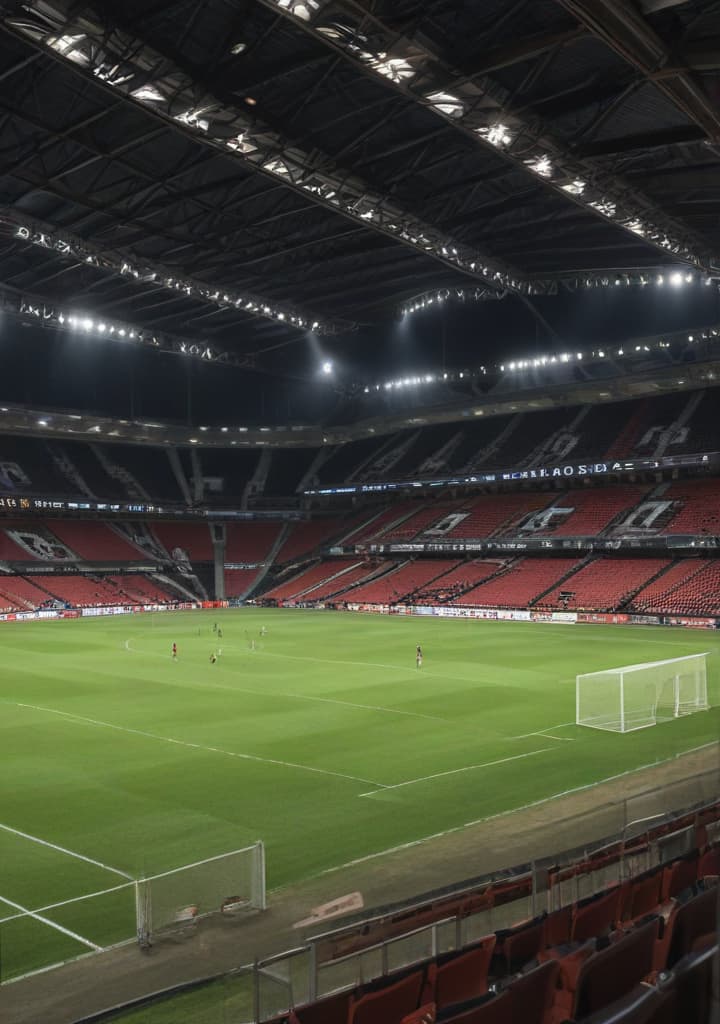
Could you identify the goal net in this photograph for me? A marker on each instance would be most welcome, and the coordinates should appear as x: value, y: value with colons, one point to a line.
x: 225, y: 883
x: 636, y: 696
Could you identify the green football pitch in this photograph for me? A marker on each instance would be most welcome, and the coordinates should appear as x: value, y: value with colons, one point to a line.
x: 321, y: 738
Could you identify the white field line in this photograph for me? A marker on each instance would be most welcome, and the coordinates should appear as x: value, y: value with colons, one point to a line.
x: 543, y: 732
x: 193, y: 746
x: 51, y: 924
x: 65, y: 903
x: 456, y: 771
x: 504, y: 814
x: 304, y: 696
x: 63, y: 849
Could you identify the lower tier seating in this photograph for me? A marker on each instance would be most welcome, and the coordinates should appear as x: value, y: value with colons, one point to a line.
x: 604, y: 583
x: 697, y: 594
x: 525, y: 580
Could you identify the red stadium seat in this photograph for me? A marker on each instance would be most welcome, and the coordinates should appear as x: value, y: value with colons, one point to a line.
x: 458, y: 977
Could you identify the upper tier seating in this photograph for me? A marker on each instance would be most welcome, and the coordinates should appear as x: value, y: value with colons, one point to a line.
x: 287, y: 468
x: 594, y: 510
x: 239, y: 581
x: 86, y: 462
x: 491, y: 514
x: 250, y: 542
x: 521, y: 584
x: 149, y: 466
x: 604, y: 583
x: 697, y: 505
x: 419, y: 521
x: 304, y: 538
x: 93, y: 541
x: 230, y: 469
x: 27, y: 467
x: 193, y: 538
x: 313, y: 577
x: 373, y: 530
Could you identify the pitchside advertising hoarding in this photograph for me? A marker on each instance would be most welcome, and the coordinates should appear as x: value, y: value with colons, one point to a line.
x: 76, y: 613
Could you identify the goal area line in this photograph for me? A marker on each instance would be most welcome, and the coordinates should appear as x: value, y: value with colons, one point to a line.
x: 25, y: 912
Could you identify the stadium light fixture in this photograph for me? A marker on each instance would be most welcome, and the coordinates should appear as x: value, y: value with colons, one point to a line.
x: 481, y: 106
x: 327, y: 367
x: 124, y: 265
x: 120, y: 63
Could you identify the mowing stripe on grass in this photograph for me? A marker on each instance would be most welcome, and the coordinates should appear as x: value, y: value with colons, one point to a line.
x: 456, y: 771
x: 194, y: 746
x: 63, y: 849
x: 503, y: 814
x: 304, y: 696
x: 51, y: 924
x: 65, y: 903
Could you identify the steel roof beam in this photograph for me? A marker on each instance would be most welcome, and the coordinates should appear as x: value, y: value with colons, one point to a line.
x: 138, y: 74
x: 481, y: 108
x: 629, y: 35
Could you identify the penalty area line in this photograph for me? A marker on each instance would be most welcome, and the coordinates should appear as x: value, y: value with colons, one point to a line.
x: 63, y: 849
x: 456, y: 771
x: 195, y: 746
x: 51, y: 924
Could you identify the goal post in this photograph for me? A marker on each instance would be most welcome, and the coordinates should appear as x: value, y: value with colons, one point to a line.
x: 637, y: 696
x: 227, y: 882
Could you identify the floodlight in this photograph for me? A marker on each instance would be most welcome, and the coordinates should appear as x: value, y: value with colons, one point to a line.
x: 327, y: 367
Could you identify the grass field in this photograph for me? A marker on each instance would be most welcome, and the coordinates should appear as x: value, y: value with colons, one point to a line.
x: 325, y: 741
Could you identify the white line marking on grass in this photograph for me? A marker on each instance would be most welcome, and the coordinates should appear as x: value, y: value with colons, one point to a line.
x: 194, y: 746
x: 304, y: 696
x: 73, y: 899
x: 541, y: 732
x: 63, y: 849
x: 456, y: 771
x: 502, y: 814
x: 51, y: 924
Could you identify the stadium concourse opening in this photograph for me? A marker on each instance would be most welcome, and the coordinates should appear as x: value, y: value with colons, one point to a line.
x: 359, y: 495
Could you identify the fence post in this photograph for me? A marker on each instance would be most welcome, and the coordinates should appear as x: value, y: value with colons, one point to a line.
x: 313, y: 969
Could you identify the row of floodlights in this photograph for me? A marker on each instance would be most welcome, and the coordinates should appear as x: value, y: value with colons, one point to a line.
x: 677, y: 279
x: 541, y: 362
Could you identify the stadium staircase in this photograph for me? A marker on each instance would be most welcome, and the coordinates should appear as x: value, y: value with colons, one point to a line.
x: 683, y: 419
x: 133, y: 487
x: 659, y: 575
x: 179, y: 475
x: 440, y: 459
x: 269, y: 560
x: 482, y: 458
x: 310, y: 477
x: 625, y: 442
x: 388, y: 457
x: 69, y: 470
x: 559, y: 444
x: 561, y: 579
x: 197, y: 481
x: 256, y: 484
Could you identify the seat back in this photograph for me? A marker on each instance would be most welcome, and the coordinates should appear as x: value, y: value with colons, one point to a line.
x: 461, y: 976
x: 692, y: 982
x: 333, y: 1010
x: 612, y: 973
x: 644, y: 896
x: 493, y: 1010
x: 689, y: 921
x: 643, y: 1005
x: 597, y: 916
x: 387, y: 1005
x: 517, y: 946
x: 533, y: 993
x: 679, y: 876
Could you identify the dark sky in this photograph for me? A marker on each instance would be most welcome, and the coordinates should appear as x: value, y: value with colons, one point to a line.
x: 62, y: 370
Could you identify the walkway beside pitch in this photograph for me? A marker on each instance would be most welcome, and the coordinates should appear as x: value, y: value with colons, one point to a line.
x: 64, y: 994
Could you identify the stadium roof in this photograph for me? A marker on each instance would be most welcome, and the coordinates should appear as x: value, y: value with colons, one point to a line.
x: 240, y: 172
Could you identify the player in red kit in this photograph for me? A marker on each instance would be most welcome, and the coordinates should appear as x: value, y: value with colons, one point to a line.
x: 174, y: 652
